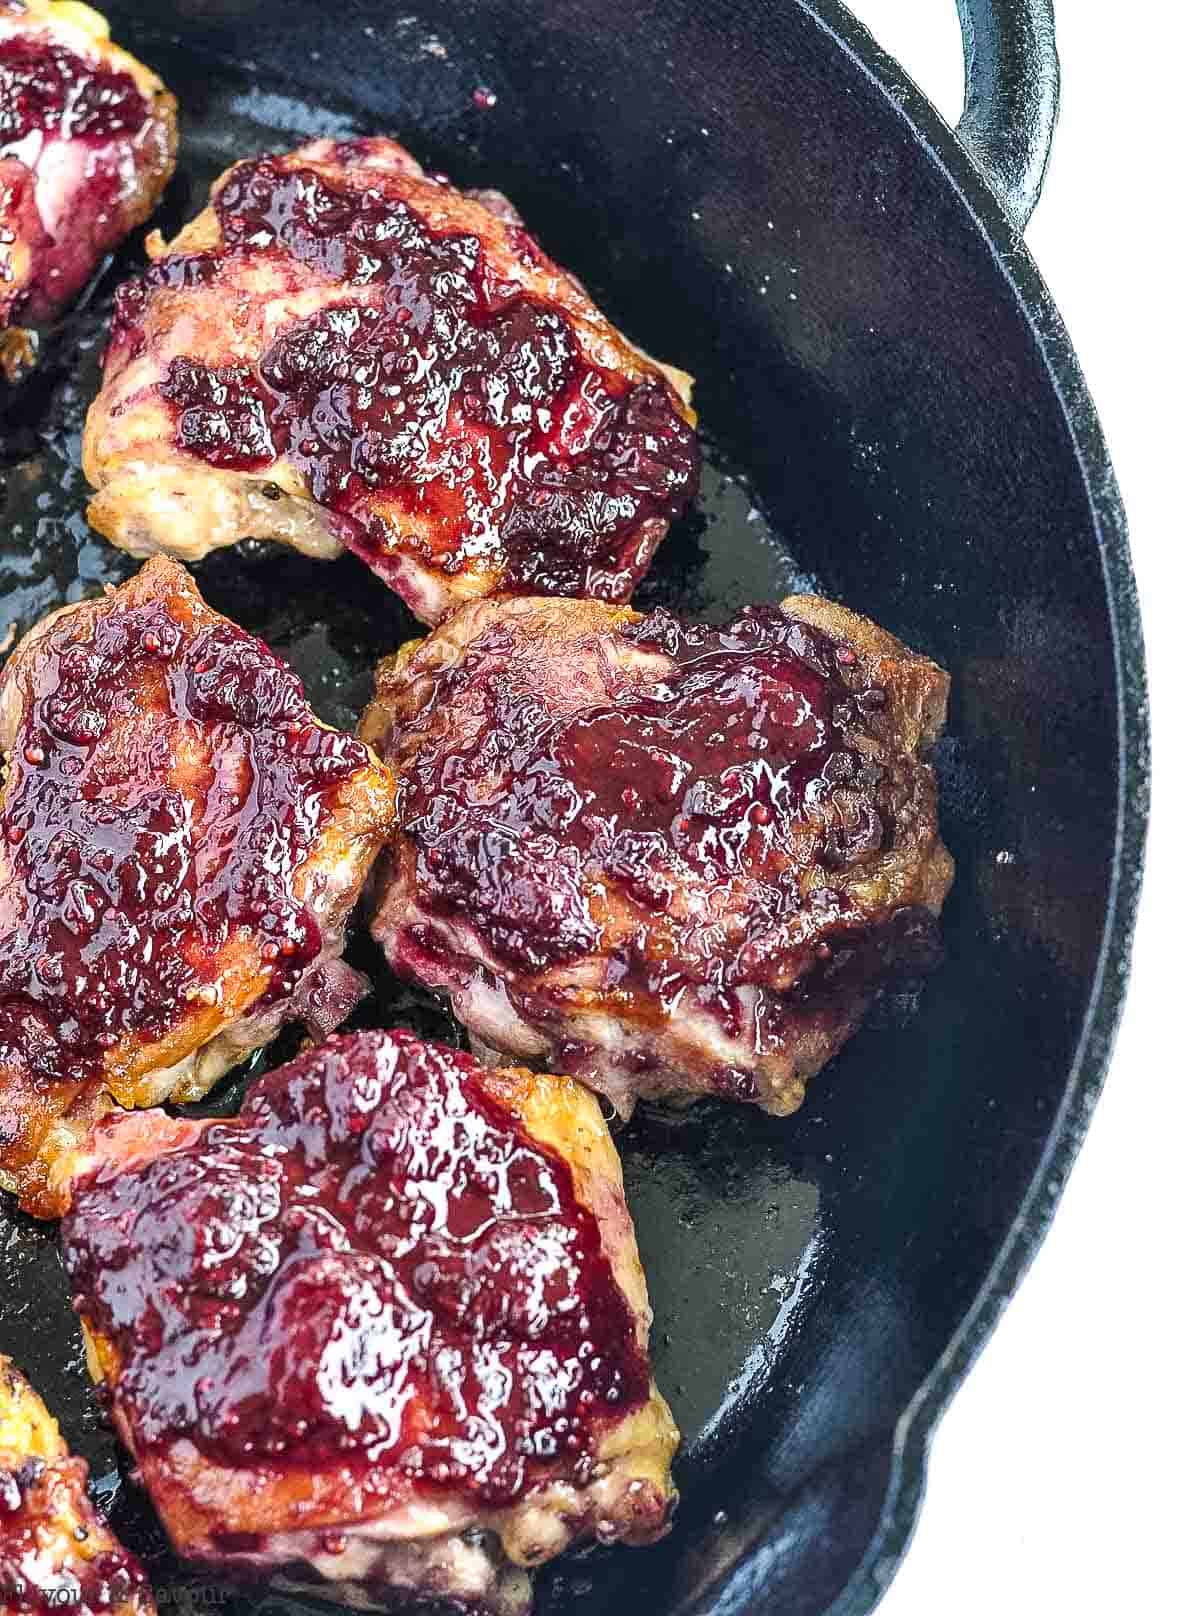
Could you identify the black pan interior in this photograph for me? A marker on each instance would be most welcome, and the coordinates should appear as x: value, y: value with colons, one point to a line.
x: 880, y: 425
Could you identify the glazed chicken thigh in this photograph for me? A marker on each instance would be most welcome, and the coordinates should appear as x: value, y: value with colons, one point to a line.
x: 342, y: 351
x: 56, y: 1553
x: 180, y: 845
x: 87, y: 145
x: 386, y: 1330
x: 668, y: 859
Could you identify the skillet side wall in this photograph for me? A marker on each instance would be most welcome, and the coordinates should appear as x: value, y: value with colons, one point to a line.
x: 743, y: 201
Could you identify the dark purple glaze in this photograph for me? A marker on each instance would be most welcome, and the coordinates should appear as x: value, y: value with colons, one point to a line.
x: 374, y: 1264
x: 34, y: 1497
x: 699, y: 782
x: 438, y: 392
x: 127, y: 870
x: 222, y: 413
x: 81, y: 155
x: 47, y: 87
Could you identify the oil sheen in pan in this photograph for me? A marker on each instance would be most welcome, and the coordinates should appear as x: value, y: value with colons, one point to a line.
x: 731, y: 1251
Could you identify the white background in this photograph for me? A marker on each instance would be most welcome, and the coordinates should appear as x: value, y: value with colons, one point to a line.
x: 1066, y: 1475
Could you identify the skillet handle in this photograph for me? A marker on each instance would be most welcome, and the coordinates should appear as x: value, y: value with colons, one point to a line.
x: 1011, y: 96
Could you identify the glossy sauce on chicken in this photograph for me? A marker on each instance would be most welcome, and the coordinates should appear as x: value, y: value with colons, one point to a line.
x: 460, y: 396
x: 49, y: 90
x: 375, y: 1261
x: 707, y: 773
x: 119, y: 885
x: 84, y: 151
x: 34, y: 1498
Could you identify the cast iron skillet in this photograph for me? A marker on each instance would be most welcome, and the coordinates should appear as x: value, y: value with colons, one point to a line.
x: 894, y: 415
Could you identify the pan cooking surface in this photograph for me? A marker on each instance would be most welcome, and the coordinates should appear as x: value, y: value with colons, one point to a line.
x: 727, y: 1218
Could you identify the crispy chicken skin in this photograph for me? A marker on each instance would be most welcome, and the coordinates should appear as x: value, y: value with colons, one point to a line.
x: 342, y: 351
x: 87, y: 145
x: 670, y: 860
x: 385, y: 1331
x: 56, y: 1553
x: 180, y: 845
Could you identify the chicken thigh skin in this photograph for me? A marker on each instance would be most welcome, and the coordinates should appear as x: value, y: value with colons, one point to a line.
x: 87, y: 145
x: 669, y: 859
x: 181, y: 842
x: 56, y: 1553
x: 386, y: 1330
x: 342, y: 351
